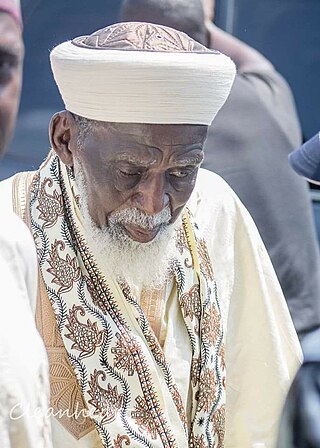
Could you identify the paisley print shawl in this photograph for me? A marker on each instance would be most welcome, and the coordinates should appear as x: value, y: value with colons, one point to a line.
x: 125, y: 381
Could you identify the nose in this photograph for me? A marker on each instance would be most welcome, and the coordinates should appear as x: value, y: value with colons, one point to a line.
x: 151, y: 196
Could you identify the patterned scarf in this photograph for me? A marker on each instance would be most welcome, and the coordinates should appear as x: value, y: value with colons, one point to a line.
x: 126, y: 383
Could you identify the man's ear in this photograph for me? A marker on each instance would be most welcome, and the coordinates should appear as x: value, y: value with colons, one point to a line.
x: 60, y: 134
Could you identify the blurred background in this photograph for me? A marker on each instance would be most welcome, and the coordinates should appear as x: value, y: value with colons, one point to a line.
x: 286, y: 31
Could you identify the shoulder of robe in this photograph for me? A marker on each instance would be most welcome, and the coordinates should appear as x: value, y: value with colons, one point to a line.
x: 14, y: 233
x: 13, y: 230
x: 219, y: 212
x: 212, y: 195
x: 6, y: 195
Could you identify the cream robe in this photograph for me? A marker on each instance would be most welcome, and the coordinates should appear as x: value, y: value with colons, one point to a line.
x: 24, y: 390
x: 262, y: 349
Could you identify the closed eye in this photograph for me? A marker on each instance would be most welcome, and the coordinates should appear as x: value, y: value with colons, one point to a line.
x: 129, y: 173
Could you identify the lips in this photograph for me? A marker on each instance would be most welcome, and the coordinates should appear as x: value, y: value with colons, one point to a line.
x: 139, y: 234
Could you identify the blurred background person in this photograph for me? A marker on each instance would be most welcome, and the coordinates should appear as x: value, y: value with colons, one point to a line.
x: 23, y: 364
x: 248, y: 145
x: 300, y: 421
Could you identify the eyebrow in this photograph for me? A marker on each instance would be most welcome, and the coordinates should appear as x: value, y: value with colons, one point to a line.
x: 131, y: 159
x: 196, y: 160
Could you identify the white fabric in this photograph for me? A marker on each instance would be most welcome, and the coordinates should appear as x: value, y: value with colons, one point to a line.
x: 142, y: 86
x: 262, y: 349
x: 24, y: 390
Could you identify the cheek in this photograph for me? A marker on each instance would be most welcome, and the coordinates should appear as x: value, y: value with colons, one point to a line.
x: 9, y: 100
x: 183, y: 189
x: 179, y: 200
x: 10, y: 92
x: 103, y: 199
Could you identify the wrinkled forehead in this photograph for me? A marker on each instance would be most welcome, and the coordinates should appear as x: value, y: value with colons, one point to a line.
x: 159, y: 135
x: 11, y: 42
x: 140, y: 36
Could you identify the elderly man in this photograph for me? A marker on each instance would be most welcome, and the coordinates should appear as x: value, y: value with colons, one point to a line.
x: 164, y: 323
x: 23, y: 363
x: 248, y: 145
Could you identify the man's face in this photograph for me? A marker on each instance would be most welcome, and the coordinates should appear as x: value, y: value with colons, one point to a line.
x: 147, y: 167
x: 11, y: 56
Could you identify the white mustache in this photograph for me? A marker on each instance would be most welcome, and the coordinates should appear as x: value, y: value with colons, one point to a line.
x: 139, y: 218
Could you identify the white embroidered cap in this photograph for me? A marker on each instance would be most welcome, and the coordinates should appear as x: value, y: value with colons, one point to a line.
x: 142, y: 73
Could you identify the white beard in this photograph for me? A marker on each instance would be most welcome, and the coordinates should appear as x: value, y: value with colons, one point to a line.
x: 141, y: 265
